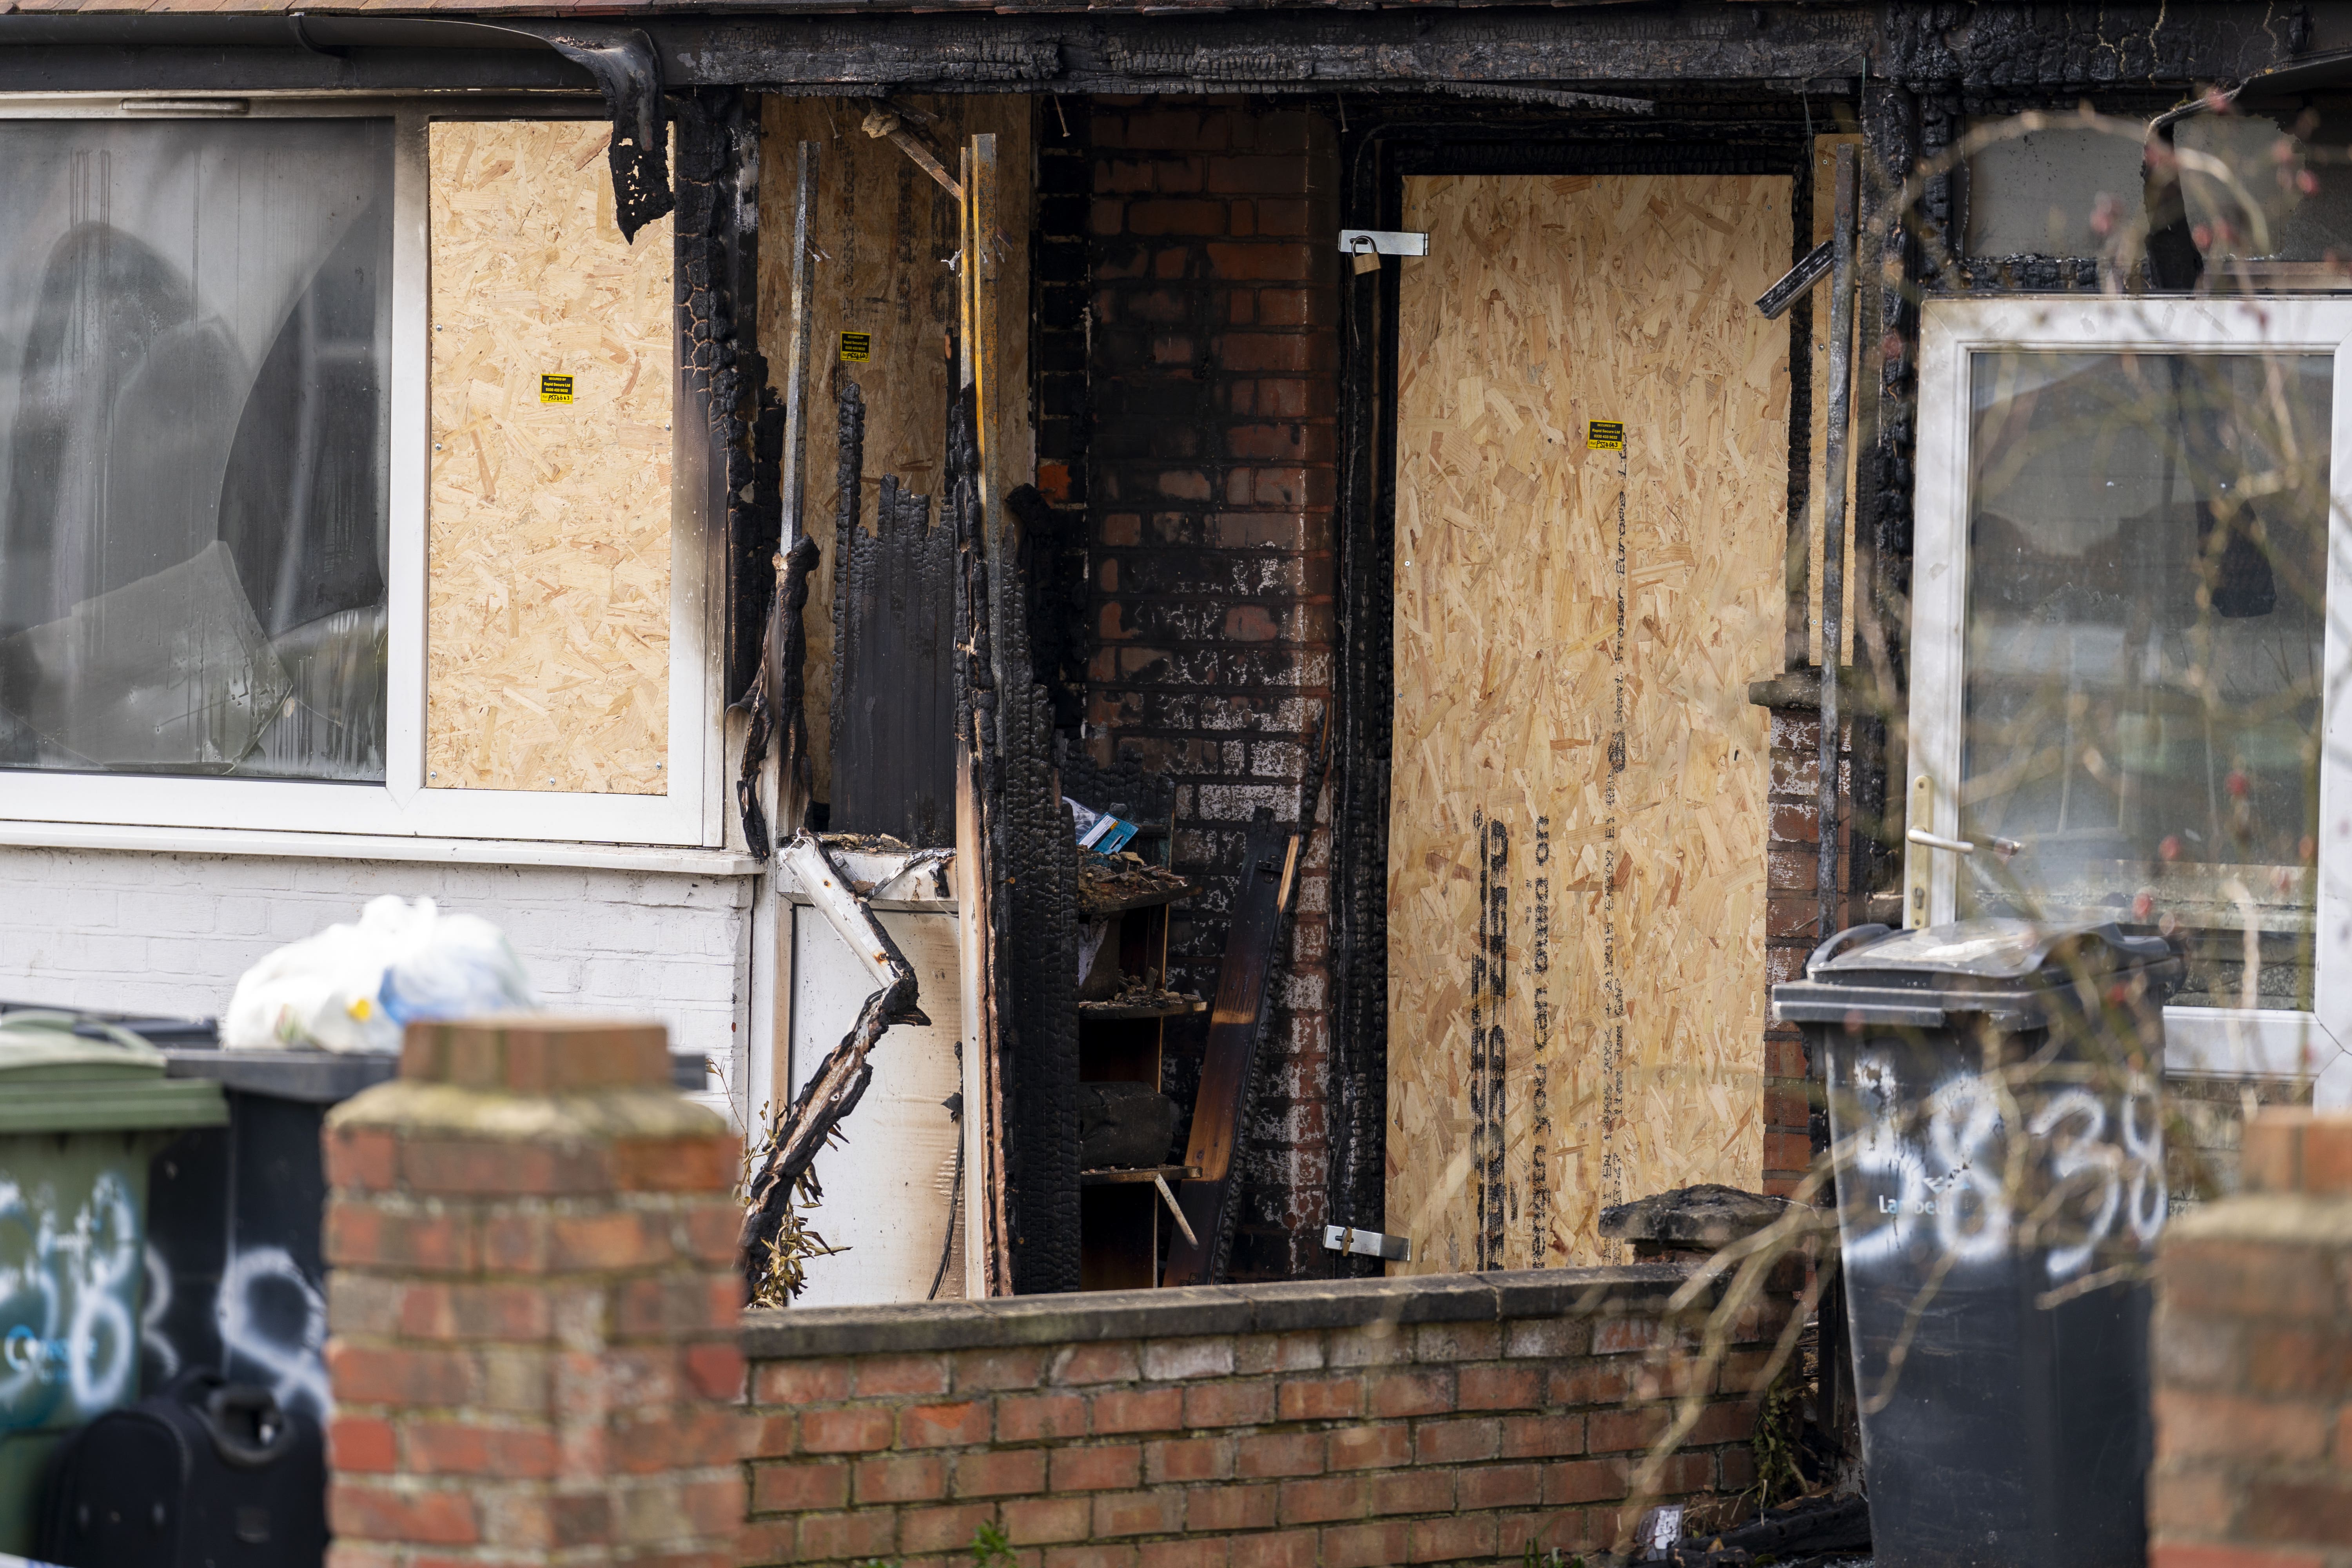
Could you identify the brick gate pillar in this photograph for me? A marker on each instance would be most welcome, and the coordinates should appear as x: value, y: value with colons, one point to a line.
x: 532, y: 1308
x: 2252, y: 1359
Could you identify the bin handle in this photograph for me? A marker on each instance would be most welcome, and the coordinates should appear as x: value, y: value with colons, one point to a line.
x: 57, y: 1021
x: 1853, y: 936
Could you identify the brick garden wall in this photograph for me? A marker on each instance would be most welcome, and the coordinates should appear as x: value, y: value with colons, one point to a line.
x: 1350, y: 1425
x: 1209, y: 479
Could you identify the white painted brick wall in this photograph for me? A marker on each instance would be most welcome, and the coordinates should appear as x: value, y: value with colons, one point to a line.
x: 124, y: 931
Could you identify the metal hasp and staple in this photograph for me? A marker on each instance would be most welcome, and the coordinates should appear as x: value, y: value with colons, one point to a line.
x: 1367, y: 1243
x: 1835, y: 257
x: 1382, y: 242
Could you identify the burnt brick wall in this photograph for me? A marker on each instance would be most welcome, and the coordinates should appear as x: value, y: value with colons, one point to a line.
x: 1444, y: 1419
x: 1209, y: 484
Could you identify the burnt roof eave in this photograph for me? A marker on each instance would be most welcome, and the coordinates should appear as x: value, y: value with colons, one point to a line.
x: 1591, y: 46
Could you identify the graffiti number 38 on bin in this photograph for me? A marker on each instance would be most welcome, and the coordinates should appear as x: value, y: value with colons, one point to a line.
x: 2088, y: 1170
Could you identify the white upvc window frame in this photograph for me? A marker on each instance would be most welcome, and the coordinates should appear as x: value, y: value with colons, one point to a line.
x: 2200, y: 1041
x: 403, y: 808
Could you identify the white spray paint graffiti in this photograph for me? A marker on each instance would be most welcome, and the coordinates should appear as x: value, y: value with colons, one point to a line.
x: 293, y: 1366
x: 152, y: 1338
x: 67, y: 1346
x: 1964, y: 1132
x: 1960, y: 1180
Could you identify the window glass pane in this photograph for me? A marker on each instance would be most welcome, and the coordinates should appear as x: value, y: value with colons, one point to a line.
x: 2036, y: 194
x: 2287, y: 194
x: 2147, y: 560
x: 195, y: 332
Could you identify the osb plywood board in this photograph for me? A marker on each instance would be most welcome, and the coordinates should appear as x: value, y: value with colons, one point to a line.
x: 548, y: 600
x: 1824, y: 206
x: 1577, y: 819
x: 884, y: 231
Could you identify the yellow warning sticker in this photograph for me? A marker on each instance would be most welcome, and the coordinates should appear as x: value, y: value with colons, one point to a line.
x: 857, y: 348
x: 555, y: 389
x: 1604, y: 436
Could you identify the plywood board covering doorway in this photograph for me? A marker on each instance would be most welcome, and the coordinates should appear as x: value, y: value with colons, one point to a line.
x: 1578, y: 785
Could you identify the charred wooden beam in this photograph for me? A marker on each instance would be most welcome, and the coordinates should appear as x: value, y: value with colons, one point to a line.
x: 1278, y: 52
x: 1697, y: 45
x: 1230, y: 1061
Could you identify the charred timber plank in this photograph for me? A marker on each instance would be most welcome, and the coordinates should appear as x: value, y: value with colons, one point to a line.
x: 1236, y: 1023
x: 893, y: 673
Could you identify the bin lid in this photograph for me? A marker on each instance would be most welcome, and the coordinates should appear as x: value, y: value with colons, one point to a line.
x: 58, y: 1076
x: 2012, y: 969
x: 311, y: 1077
x: 1988, y: 949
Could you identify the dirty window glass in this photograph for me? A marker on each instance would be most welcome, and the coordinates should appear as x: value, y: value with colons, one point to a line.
x: 2277, y: 188
x: 194, y: 331
x: 2038, y: 194
x: 2148, y: 555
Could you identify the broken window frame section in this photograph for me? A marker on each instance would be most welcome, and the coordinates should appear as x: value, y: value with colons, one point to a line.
x: 690, y: 815
x: 2223, y: 1042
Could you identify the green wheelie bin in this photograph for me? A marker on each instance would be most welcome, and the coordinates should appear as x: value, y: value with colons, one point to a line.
x: 82, y: 1109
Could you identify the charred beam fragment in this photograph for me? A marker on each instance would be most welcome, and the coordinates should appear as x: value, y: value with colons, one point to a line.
x: 627, y: 69
x: 840, y: 1080
x: 776, y: 700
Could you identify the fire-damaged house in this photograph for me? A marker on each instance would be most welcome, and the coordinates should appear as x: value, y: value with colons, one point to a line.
x: 1233, y: 602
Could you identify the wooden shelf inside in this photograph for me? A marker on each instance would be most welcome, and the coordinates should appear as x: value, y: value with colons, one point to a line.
x: 1176, y: 1007
x: 1116, y: 1176
x: 1153, y: 899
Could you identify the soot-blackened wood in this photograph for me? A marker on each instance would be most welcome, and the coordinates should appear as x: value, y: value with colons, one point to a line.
x: 2083, y: 45
x: 1237, y: 1027
x: 1032, y: 886
x: 1358, y: 1115
x: 894, y: 748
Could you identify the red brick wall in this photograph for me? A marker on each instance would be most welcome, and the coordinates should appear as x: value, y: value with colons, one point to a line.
x: 1792, y: 925
x: 1364, y: 1423
x: 1209, y: 482
x: 2253, y: 1361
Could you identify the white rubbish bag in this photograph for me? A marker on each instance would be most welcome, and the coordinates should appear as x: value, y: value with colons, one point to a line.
x: 354, y: 987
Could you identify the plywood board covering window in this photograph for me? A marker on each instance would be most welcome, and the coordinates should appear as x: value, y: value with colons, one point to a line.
x: 1576, y: 841
x: 548, y: 596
